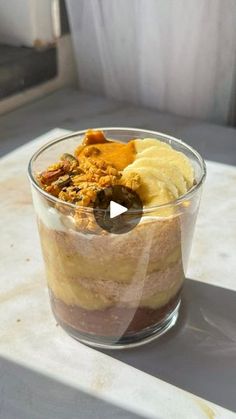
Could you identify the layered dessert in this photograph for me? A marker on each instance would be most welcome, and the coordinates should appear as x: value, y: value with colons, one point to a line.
x: 104, y: 285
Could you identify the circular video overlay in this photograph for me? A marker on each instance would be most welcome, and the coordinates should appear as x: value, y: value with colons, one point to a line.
x: 117, y: 209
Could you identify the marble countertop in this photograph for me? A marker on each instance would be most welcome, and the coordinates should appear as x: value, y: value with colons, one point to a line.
x: 46, y: 374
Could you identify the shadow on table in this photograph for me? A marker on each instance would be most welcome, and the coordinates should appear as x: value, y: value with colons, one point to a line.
x: 26, y: 394
x: 199, y: 354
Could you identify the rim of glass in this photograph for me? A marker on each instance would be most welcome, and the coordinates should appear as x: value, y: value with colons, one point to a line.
x: 177, y: 201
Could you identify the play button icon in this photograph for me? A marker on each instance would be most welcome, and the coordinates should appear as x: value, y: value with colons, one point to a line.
x: 117, y: 209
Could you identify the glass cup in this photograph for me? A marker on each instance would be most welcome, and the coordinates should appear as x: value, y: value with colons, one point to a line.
x: 115, y: 290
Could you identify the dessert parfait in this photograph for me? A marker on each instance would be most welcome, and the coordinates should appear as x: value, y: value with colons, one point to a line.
x: 110, y: 289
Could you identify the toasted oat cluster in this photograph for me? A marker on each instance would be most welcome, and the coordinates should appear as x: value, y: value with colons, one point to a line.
x: 78, y: 180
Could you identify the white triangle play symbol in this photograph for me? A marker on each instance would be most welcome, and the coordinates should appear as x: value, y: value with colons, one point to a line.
x: 116, y: 209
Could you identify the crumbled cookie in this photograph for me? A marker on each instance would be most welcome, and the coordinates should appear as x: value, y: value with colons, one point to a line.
x: 77, y: 180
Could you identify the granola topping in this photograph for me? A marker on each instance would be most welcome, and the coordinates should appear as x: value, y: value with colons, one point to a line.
x: 77, y: 179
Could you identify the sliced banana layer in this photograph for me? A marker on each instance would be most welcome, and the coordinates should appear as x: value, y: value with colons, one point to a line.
x: 165, y: 173
x: 168, y: 172
x: 153, y: 183
x: 146, y: 143
x: 171, y: 156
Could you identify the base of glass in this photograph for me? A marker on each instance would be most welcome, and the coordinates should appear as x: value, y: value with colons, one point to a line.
x: 143, y: 337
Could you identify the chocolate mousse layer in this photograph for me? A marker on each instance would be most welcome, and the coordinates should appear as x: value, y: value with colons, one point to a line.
x: 113, y: 322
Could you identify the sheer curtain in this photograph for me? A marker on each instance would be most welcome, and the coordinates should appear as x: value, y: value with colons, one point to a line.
x: 177, y: 56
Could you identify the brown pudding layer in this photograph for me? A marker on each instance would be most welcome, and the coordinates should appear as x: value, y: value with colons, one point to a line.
x: 115, y: 322
x: 140, y: 269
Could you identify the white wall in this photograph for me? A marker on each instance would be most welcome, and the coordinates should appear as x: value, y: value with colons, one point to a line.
x: 27, y: 22
x: 177, y: 56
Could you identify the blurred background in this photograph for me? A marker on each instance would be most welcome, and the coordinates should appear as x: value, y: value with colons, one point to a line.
x: 177, y: 57
x: 36, y: 55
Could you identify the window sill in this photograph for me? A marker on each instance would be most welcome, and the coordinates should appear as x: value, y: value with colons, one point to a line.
x: 21, y: 68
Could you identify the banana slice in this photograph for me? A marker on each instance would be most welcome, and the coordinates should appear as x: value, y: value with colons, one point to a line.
x: 168, y: 172
x: 153, y: 183
x: 171, y: 156
x: 146, y: 143
x: 159, y: 212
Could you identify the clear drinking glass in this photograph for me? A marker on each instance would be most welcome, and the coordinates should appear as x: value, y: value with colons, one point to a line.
x: 115, y: 290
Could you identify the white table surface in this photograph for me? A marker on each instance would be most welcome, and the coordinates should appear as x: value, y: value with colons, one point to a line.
x: 30, y: 339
